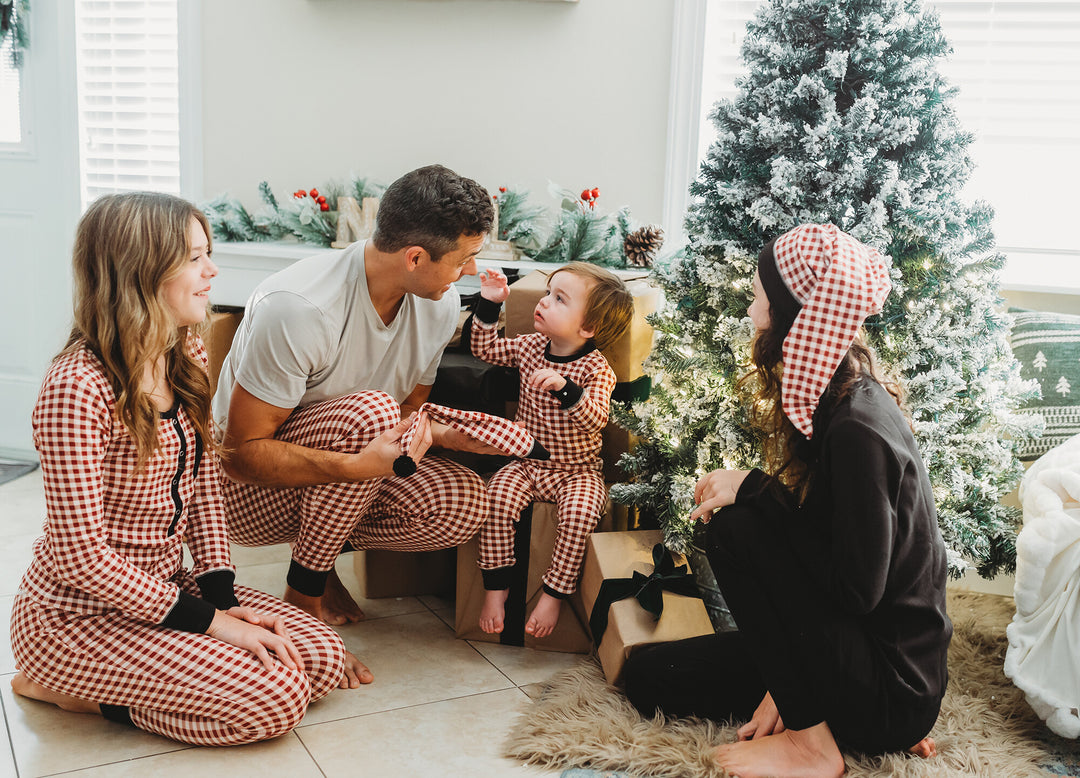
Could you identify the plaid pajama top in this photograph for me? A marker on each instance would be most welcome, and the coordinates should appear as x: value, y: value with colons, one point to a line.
x: 571, y: 435
x: 113, y: 537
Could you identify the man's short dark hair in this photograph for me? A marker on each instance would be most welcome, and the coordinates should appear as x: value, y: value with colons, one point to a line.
x: 431, y: 207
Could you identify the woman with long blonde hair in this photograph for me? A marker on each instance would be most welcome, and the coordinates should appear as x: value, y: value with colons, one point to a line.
x: 832, y: 564
x: 108, y: 620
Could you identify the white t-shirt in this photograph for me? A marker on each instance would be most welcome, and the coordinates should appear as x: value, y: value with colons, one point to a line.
x: 310, y: 333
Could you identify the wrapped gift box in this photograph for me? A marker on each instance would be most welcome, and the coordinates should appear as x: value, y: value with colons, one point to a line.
x: 533, y: 545
x: 218, y: 337
x: 404, y: 573
x: 618, y: 555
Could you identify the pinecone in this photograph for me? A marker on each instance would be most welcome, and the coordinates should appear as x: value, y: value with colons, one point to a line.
x: 642, y: 245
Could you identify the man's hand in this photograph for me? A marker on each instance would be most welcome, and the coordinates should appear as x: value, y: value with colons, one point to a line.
x: 547, y: 379
x: 444, y: 436
x: 379, y: 454
x: 716, y: 490
x: 493, y: 286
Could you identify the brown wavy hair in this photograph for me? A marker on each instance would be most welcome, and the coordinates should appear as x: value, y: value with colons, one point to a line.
x: 786, y: 451
x: 126, y: 247
x: 609, y: 305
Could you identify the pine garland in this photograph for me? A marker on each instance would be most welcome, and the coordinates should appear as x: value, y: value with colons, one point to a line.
x: 14, y: 20
x: 581, y: 231
x: 843, y: 118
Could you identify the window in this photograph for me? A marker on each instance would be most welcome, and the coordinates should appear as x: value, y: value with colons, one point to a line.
x: 1017, y: 65
x: 10, y: 108
x: 128, y: 81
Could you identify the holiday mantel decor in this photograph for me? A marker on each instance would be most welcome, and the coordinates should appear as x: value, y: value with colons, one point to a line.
x: 337, y: 214
x: 843, y: 117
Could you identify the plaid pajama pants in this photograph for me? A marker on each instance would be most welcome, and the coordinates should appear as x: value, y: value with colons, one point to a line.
x: 182, y: 685
x: 581, y: 497
x: 440, y: 506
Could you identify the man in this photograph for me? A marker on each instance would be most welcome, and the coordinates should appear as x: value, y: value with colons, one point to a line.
x: 309, y: 396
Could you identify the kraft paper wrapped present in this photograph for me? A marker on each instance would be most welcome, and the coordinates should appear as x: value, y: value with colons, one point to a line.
x: 218, y: 338
x: 533, y: 544
x: 614, y: 556
x: 404, y: 573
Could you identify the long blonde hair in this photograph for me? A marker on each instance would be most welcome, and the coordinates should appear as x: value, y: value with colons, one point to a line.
x: 126, y: 247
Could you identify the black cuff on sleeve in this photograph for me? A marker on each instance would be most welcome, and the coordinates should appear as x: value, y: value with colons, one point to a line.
x: 568, y: 395
x: 190, y: 614
x: 217, y: 588
x: 754, y: 483
x: 119, y: 714
x: 497, y: 579
x: 487, y: 312
x: 557, y: 595
x: 309, y: 582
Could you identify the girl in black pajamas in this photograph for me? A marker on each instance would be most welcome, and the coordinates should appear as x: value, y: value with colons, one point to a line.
x: 833, y: 566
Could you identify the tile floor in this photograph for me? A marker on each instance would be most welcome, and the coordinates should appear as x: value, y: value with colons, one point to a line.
x: 439, y: 706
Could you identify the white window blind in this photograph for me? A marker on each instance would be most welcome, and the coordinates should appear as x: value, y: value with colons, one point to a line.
x: 1017, y: 65
x: 10, y: 110
x: 129, y: 119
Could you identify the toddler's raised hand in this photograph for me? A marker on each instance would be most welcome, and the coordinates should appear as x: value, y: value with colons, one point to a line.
x: 493, y: 285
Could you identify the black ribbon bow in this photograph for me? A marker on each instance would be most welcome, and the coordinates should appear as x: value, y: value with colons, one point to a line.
x: 646, y: 589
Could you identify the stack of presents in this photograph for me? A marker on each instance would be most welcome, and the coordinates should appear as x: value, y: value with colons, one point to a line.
x: 632, y: 590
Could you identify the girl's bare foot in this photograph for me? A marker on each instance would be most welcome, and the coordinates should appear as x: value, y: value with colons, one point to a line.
x: 804, y: 753
x: 494, y: 610
x: 24, y: 687
x: 356, y: 673
x: 544, y: 616
x: 925, y: 748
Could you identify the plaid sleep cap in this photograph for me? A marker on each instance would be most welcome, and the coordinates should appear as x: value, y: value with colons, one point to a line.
x: 838, y: 281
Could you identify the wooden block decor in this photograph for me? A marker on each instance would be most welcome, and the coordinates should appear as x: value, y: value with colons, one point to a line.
x: 355, y: 222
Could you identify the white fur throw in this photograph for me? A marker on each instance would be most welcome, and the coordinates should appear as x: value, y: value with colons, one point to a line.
x: 1043, y: 658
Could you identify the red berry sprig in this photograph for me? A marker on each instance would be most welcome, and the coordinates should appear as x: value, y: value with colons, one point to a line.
x: 589, y: 196
x: 319, y: 199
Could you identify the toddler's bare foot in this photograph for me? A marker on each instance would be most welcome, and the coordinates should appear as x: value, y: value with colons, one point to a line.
x: 544, y: 616
x: 494, y: 610
x: 925, y: 748
x: 804, y: 753
x: 24, y: 687
x: 356, y: 673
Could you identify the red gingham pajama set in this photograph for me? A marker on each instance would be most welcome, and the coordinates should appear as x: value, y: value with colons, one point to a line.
x: 569, y: 425
x: 107, y: 612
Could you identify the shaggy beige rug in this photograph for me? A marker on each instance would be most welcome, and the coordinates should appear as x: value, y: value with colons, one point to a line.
x: 985, y: 727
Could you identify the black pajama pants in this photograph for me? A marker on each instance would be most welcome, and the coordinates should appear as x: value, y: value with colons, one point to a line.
x: 819, y: 663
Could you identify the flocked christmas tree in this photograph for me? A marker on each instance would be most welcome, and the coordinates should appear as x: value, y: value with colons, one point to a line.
x: 844, y: 118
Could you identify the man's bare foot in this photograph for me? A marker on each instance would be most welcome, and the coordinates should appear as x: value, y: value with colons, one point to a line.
x: 356, y: 673
x: 494, y: 610
x: 337, y: 602
x: 24, y: 687
x: 331, y: 607
x: 804, y: 753
x: 925, y: 748
x: 544, y: 616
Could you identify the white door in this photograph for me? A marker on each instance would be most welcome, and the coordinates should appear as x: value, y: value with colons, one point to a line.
x: 39, y: 206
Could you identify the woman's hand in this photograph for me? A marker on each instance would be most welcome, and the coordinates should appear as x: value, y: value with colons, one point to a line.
x: 493, y: 286
x: 259, y: 633
x: 766, y: 721
x: 716, y: 490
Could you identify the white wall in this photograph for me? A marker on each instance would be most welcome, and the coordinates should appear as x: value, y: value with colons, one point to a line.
x: 509, y: 92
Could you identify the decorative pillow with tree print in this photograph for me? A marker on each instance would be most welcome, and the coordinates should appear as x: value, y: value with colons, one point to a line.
x: 1047, y: 346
